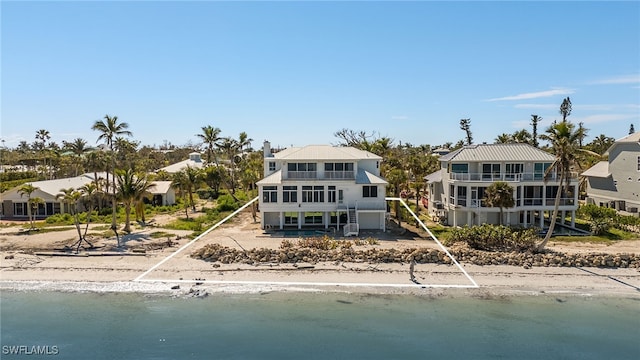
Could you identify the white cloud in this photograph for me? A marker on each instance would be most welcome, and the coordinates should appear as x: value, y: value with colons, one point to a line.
x: 536, y: 95
x: 624, y: 79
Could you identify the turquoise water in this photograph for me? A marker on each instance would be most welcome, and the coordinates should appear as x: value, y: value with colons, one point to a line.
x: 318, y: 326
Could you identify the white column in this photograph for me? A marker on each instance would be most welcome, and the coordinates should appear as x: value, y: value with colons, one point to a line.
x: 573, y: 218
x: 564, y: 215
x: 300, y: 219
x: 281, y: 220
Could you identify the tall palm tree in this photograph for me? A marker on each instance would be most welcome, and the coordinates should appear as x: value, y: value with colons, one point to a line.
x: 28, y: 189
x: 89, y: 192
x: 535, y: 119
x: 179, y: 182
x: 131, y: 188
x: 503, y: 138
x: 499, y: 194
x: 244, y: 142
x: 109, y: 129
x: 565, y: 108
x: 43, y: 135
x: 71, y: 197
x: 210, y: 136
x: 79, y: 148
x: 564, y: 141
x: 465, y: 125
x: 229, y: 147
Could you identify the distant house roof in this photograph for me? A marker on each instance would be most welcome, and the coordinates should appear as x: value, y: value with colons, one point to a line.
x: 434, y: 177
x: 601, y: 170
x: 365, y: 177
x: 53, y: 187
x: 325, y: 152
x: 498, y: 152
x: 194, y: 161
x: 160, y: 187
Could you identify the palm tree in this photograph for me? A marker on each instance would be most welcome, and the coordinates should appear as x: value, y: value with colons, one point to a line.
x: 179, y: 182
x: 244, y: 142
x: 503, y: 138
x: 131, y: 188
x: 210, y: 136
x: 109, y: 129
x: 499, y: 194
x: 522, y: 137
x: 564, y: 140
x: 465, y: 124
x: 565, y: 108
x: 601, y: 144
x: 396, y: 178
x: 28, y: 189
x: 89, y: 192
x: 71, y: 197
x: 229, y: 147
x: 79, y: 148
x: 43, y: 135
x: 535, y: 119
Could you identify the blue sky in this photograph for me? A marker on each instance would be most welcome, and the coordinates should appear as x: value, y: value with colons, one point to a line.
x: 296, y: 72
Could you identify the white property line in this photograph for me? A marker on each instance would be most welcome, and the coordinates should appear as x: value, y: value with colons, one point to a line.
x: 196, y: 239
x: 304, y: 283
x: 475, y: 285
x: 300, y: 283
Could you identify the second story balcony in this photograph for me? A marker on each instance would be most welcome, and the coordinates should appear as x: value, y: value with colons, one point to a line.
x: 317, y: 175
x: 493, y: 177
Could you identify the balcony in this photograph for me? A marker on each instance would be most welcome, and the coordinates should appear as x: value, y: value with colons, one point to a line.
x: 493, y: 177
x: 315, y: 175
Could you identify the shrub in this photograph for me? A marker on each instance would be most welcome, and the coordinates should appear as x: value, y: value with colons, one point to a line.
x: 227, y: 203
x: 495, y: 238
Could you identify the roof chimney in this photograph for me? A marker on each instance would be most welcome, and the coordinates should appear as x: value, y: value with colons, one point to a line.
x: 267, y: 149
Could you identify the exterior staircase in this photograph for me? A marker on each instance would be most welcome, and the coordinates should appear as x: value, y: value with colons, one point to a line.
x: 352, y: 228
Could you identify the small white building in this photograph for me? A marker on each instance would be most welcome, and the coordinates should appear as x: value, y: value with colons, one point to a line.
x: 194, y: 161
x: 616, y: 183
x: 322, y: 186
x: 456, y: 191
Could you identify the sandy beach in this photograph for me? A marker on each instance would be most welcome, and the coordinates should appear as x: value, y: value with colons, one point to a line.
x: 32, y: 262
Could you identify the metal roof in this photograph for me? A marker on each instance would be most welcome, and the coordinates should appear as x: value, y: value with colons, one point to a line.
x: 498, y: 152
x: 601, y: 170
x: 325, y: 152
x: 434, y: 177
x: 365, y: 177
x: 273, y: 179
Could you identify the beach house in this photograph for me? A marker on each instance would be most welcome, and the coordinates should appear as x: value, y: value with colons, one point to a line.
x: 456, y: 191
x: 14, y: 205
x: 322, y: 186
x: 615, y: 183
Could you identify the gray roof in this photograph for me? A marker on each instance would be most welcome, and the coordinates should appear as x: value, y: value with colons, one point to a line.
x: 365, y: 177
x: 601, y: 170
x: 498, y: 152
x: 631, y: 138
x: 177, y: 167
x: 434, y: 177
x: 325, y: 152
x: 53, y: 187
x: 273, y: 179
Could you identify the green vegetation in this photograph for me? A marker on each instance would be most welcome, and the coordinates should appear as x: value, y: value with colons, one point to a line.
x: 495, y: 238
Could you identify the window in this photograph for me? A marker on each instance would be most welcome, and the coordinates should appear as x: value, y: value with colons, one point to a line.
x: 460, y: 168
x: 369, y: 191
x: 291, y: 218
x: 318, y: 194
x: 19, y: 208
x: 338, y: 170
x: 272, y: 166
x: 313, y: 218
x: 462, y: 196
x: 539, y: 170
x: 332, y: 194
x: 638, y: 163
x: 290, y: 194
x: 270, y: 194
x: 512, y: 170
x: 490, y: 171
x: 307, y: 194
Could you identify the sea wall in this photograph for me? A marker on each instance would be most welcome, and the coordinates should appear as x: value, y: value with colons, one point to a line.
x: 462, y: 253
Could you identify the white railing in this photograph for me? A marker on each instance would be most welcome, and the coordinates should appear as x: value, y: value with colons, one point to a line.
x: 493, y: 177
x: 315, y: 175
x: 351, y: 229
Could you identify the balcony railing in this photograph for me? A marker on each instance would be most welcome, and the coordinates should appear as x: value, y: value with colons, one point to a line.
x: 315, y: 175
x: 475, y: 203
x: 488, y: 177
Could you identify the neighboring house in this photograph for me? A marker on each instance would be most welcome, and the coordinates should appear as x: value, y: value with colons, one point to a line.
x: 457, y: 190
x: 194, y: 161
x: 14, y: 206
x: 616, y: 183
x: 322, y: 186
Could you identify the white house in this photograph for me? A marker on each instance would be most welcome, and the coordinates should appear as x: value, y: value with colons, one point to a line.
x: 14, y: 206
x: 457, y: 190
x: 322, y: 186
x: 616, y: 183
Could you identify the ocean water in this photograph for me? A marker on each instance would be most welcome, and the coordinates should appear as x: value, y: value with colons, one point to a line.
x: 59, y: 325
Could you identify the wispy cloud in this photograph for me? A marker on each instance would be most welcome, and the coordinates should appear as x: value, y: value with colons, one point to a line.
x: 623, y: 79
x: 535, y: 95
